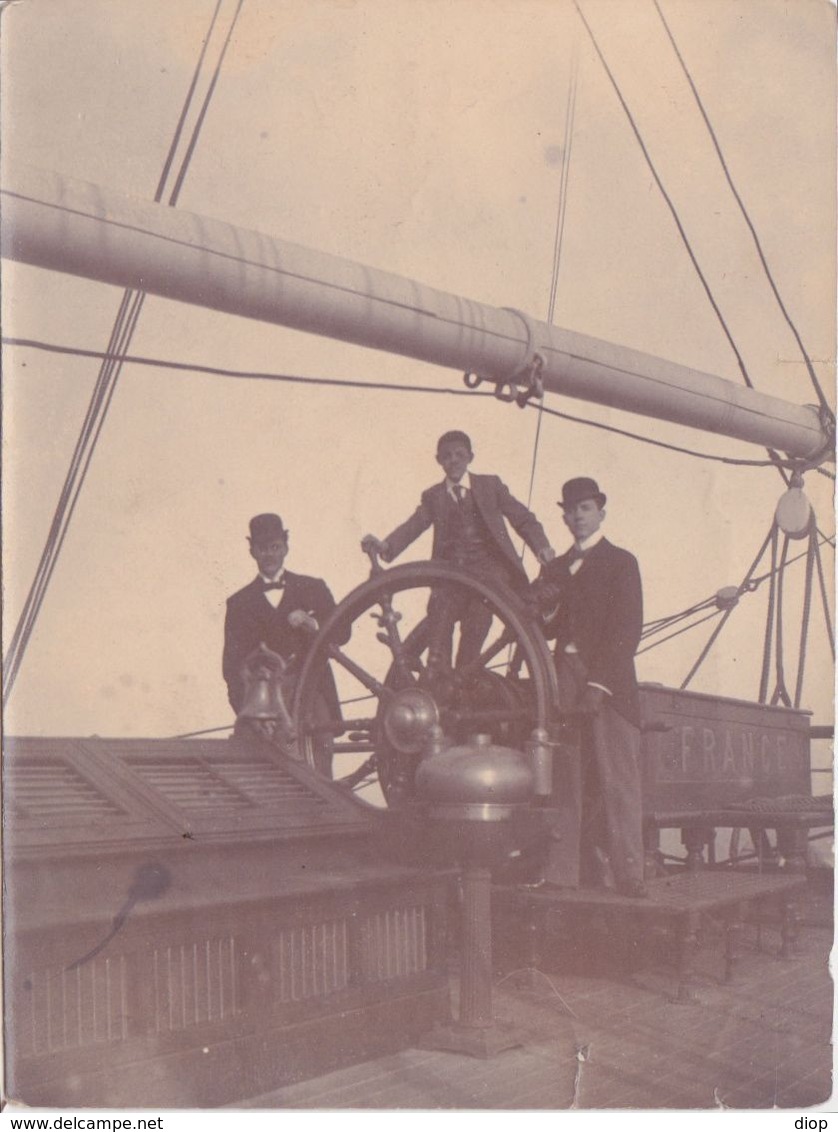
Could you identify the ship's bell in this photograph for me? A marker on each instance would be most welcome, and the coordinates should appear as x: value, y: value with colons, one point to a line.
x: 262, y: 673
x: 263, y: 699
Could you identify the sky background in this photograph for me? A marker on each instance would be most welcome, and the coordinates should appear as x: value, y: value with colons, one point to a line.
x: 424, y: 138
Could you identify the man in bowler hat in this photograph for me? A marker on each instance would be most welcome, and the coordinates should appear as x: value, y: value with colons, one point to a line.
x: 595, y: 593
x: 278, y: 608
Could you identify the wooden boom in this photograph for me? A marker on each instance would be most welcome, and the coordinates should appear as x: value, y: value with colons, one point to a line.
x: 83, y: 229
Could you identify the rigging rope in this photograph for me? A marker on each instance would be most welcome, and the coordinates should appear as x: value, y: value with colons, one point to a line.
x: 193, y: 141
x: 774, y: 456
x: 674, y: 212
x: 760, y: 253
x: 651, y: 628
x: 80, y: 460
x: 714, y: 635
x: 807, y: 606
x: 187, y: 102
x: 121, y: 335
x: 654, y: 627
x: 570, y: 114
x: 780, y: 691
x: 824, y: 599
x: 393, y: 387
x: 678, y: 632
x: 769, y: 619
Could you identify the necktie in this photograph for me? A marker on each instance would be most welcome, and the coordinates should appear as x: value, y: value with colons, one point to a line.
x: 460, y: 492
x: 575, y: 559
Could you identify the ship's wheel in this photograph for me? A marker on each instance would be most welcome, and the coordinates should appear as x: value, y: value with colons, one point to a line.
x: 389, y: 695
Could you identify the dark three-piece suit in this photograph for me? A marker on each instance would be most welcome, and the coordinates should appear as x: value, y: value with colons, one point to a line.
x: 492, y: 502
x: 252, y: 619
x: 469, y: 533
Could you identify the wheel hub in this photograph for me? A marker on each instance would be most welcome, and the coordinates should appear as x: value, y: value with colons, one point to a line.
x: 408, y: 719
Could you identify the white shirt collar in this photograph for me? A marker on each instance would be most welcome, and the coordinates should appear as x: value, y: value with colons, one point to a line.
x: 592, y: 540
x: 464, y: 482
x: 278, y: 578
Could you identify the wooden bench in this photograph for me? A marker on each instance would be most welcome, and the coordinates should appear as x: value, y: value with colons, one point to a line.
x: 711, y: 762
x: 675, y: 902
x: 790, y: 819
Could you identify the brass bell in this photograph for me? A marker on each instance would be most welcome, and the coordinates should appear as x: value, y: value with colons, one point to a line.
x: 262, y: 672
x: 263, y: 699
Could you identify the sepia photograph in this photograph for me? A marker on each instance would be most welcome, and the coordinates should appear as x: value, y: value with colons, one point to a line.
x: 418, y: 438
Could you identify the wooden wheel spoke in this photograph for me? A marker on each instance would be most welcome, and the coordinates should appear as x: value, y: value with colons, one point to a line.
x: 365, y: 773
x: 406, y: 666
x: 374, y: 748
x: 339, y: 726
x: 360, y: 674
x: 506, y: 637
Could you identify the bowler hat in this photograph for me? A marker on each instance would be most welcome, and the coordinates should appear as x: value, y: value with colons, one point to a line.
x: 265, y: 528
x: 579, y: 489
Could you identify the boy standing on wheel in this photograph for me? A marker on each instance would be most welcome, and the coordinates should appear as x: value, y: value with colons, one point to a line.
x: 468, y: 513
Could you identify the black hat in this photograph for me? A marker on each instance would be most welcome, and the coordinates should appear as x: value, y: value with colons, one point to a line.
x: 265, y: 528
x: 579, y: 489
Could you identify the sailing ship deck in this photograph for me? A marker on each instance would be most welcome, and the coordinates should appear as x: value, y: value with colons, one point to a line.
x: 593, y: 1037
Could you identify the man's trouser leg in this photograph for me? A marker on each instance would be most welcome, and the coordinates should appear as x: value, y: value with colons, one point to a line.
x: 563, y: 855
x: 616, y: 750
x: 475, y: 622
x: 442, y: 614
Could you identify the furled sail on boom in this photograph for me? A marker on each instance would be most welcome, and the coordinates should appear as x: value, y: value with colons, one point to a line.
x: 83, y: 229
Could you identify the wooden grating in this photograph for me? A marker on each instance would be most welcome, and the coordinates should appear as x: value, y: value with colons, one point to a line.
x: 47, y: 788
x: 265, y: 783
x: 189, y: 784
x: 199, y: 783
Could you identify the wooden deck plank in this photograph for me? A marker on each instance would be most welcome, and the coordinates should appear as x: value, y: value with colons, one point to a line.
x: 760, y: 1041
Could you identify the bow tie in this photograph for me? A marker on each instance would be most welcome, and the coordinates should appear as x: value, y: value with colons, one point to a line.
x: 575, y: 555
x: 280, y: 585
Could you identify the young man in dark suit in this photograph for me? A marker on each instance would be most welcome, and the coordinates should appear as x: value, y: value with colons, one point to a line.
x: 596, y: 619
x: 467, y: 512
x: 278, y: 608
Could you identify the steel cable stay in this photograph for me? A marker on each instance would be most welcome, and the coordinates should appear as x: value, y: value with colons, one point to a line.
x: 104, y: 395
x: 774, y: 456
x: 824, y: 598
x: 677, y: 633
x: 807, y: 607
x: 94, y: 417
x: 780, y: 691
x: 112, y: 362
x: 774, y: 630
x: 742, y: 588
x: 382, y: 386
x: 662, y: 623
x: 746, y: 216
x: 769, y: 619
x: 651, y: 628
x: 76, y: 474
x: 570, y: 114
